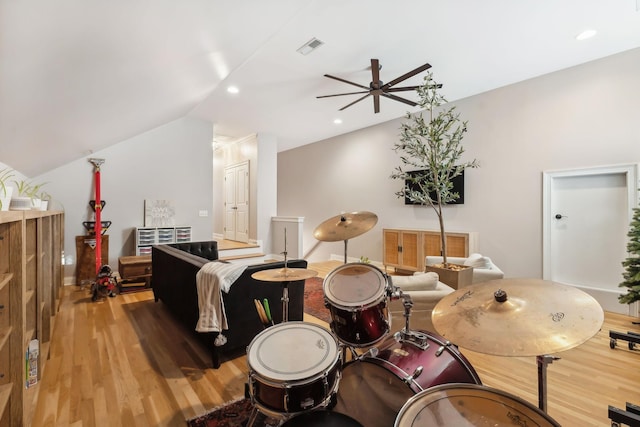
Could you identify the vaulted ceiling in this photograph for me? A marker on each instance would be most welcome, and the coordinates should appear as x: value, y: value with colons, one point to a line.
x: 77, y: 76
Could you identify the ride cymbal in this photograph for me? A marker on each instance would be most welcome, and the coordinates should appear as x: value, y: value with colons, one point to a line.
x: 345, y: 226
x: 284, y: 274
x: 518, y: 317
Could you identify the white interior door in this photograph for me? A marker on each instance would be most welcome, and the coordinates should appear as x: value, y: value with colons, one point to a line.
x: 236, y: 205
x: 586, y: 221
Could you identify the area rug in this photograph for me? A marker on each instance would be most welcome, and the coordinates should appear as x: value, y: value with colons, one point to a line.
x: 232, y: 414
x: 314, y: 299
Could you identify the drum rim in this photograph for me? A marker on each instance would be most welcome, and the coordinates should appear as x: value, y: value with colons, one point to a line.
x: 327, y: 366
x: 438, y: 388
x: 372, y: 301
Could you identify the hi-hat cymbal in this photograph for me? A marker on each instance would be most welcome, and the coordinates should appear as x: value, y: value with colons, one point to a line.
x: 518, y: 317
x: 345, y: 226
x: 284, y: 274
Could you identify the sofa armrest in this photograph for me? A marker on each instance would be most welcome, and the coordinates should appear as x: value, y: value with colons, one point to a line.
x: 432, y: 259
x: 485, y: 274
x: 425, y: 298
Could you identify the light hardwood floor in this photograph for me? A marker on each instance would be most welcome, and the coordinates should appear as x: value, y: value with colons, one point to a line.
x: 125, y: 362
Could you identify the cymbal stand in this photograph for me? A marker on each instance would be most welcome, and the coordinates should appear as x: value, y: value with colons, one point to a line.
x: 285, y: 285
x: 345, y: 250
x: 543, y: 361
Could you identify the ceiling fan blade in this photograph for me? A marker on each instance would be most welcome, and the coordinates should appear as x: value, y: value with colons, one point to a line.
x: 357, y: 100
x: 375, y: 72
x: 376, y: 103
x: 397, y: 98
x: 402, y: 89
x: 341, y: 94
x: 346, y: 81
x: 406, y: 76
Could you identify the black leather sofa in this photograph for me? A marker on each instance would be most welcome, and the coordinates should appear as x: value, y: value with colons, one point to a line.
x: 174, y: 269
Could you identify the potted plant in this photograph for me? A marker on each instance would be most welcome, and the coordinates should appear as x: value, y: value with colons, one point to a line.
x: 21, y: 201
x: 27, y: 196
x: 430, y: 151
x: 6, y: 190
x: 44, y: 200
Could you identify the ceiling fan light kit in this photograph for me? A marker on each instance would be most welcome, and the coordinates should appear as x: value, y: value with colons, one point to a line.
x: 378, y: 88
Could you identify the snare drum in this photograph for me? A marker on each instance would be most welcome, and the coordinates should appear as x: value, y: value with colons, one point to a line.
x: 293, y: 367
x: 356, y: 295
x: 373, y: 389
x: 468, y: 405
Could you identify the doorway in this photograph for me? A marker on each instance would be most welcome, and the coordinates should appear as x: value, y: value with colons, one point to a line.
x: 586, y: 217
x: 236, y: 202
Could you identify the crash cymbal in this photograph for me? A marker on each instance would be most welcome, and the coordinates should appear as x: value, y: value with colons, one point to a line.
x: 518, y: 317
x: 284, y: 274
x: 345, y: 226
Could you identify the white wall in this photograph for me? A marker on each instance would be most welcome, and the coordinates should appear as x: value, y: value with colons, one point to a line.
x: 579, y: 117
x: 172, y: 162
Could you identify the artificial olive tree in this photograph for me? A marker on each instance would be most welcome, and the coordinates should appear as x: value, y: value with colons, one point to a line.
x: 430, y: 151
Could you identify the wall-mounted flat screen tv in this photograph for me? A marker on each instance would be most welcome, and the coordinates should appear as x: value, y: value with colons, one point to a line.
x: 458, y: 187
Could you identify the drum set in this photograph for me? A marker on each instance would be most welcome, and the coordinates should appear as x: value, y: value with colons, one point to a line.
x: 357, y: 374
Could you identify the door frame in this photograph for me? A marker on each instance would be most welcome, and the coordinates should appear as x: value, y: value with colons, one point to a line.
x: 631, y: 172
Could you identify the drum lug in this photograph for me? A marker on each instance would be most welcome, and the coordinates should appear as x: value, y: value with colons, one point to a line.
x: 413, y: 376
x: 286, y: 398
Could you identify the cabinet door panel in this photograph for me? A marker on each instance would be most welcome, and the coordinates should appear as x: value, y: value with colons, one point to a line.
x: 410, y: 250
x: 457, y: 245
x: 391, y: 247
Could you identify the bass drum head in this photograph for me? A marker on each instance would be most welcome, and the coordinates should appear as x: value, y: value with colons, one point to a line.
x: 355, y: 285
x: 370, y: 394
x: 469, y: 405
x: 292, y: 352
x: 322, y: 418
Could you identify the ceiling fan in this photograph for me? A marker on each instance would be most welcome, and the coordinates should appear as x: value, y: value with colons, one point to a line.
x: 378, y: 88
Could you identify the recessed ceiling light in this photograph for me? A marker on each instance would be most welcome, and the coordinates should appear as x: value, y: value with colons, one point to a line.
x: 337, y: 121
x: 233, y: 89
x: 587, y: 34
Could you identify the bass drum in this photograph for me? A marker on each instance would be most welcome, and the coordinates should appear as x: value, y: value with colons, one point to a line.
x: 469, y: 405
x: 293, y: 367
x: 322, y: 418
x: 373, y: 389
x: 356, y: 295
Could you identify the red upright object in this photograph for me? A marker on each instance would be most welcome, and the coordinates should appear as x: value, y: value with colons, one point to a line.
x: 98, y: 210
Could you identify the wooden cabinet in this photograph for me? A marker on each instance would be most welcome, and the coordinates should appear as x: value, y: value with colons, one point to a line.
x: 406, y: 249
x: 31, y: 278
x: 135, y: 273
x: 149, y: 236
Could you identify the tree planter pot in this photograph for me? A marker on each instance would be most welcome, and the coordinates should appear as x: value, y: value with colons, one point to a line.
x: 457, y: 277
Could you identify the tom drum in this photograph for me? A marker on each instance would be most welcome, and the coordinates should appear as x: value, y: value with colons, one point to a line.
x: 356, y: 295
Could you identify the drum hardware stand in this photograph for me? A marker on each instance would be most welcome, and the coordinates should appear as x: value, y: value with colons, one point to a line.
x: 630, y: 416
x: 416, y: 338
x: 285, y: 285
x: 542, y: 362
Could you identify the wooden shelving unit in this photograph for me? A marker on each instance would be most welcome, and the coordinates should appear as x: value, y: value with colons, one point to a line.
x: 31, y: 278
x: 405, y: 249
x: 149, y: 236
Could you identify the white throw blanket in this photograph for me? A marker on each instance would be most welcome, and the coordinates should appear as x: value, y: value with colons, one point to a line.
x: 212, y: 279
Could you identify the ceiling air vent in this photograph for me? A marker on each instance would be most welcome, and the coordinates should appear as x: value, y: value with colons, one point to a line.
x: 310, y: 46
